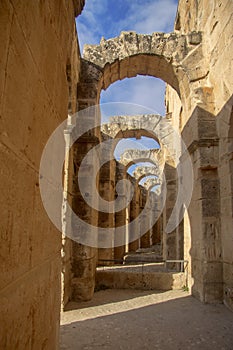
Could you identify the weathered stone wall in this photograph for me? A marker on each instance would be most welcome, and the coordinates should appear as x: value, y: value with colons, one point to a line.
x: 208, y: 133
x: 37, y: 49
x: 214, y: 19
x: 225, y: 129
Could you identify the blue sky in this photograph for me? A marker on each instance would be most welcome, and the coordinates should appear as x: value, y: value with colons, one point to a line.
x: 130, y: 143
x: 107, y: 18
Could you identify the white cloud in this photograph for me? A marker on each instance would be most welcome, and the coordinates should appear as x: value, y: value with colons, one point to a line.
x: 97, y: 18
x: 89, y: 25
x: 144, y: 91
x: 85, y: 36
x: 154, y: 16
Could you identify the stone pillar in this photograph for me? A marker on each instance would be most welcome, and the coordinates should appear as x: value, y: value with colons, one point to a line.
x: 156, y: 232
x: 134, y: 212
x: 145, y: 239
x: 204, y: 211
x: 67, y: 244
x: 88, y: 94
x: 120, y: 216
x: 156, y: 228
x: 225, y: 131
x: 170, y: 239
x: 152, y: 213
x: 107, y: 192
x: 84, y: 257
x: 180, y: 240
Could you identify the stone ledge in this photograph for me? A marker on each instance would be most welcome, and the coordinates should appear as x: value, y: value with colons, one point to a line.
x: 138, y: 277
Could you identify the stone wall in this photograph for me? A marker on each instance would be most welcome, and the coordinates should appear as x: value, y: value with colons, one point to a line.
x: 38, y: 52
x: 214, y: 19
x: 207, y: 131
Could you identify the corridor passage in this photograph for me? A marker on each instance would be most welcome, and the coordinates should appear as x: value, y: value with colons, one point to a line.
x: 134, y: 319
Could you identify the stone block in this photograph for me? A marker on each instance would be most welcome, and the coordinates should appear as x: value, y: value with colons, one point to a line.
x: 210, y: 188
x: 131, y: 277
x: 213, y: 293
x: 195, y: 38
x: 36, y: 297
x: 213, y: 272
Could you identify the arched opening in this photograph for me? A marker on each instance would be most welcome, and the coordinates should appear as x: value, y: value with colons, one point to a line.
x: 154, y: 66
x: 145, y: 59
x: 147, y: 177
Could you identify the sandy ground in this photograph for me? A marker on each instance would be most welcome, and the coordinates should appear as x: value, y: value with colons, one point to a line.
x: 133, y: 319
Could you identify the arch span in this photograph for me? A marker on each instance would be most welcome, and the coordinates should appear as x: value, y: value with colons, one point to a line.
x: 158, y: 55
x: 151, y: 125
x: 151, y: 182
x: 142, y: 171
x: 153, y: 156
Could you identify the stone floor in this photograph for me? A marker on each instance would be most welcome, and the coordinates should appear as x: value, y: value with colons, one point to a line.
x: 133, y: 319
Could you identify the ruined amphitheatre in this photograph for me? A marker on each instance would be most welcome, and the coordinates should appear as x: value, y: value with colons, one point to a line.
x: 69, y: 239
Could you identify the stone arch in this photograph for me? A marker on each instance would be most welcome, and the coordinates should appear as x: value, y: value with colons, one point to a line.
x: 151, y: 125
x: 150, y: 183
x: 132, y: 126
x: 172, y: 57
x: 153, y: 156
x: 131, y: 54
x: 142, y: 171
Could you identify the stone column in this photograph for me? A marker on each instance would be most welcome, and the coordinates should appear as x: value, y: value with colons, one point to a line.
x: 145, y: 239
x: 120, y: 216
x: 156, y: 228
x: 204, y: 211
x: 67, y: 243
x: 170, y: 239
x: 151, y: 215
x: 134, y: 212
x: 84, y: 257
x: 107, y: 192
x: 225, y: 171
